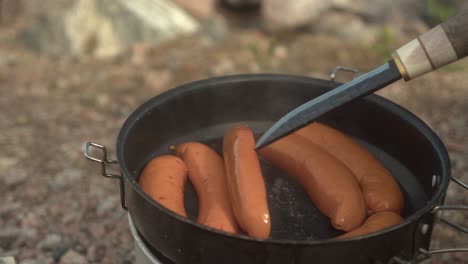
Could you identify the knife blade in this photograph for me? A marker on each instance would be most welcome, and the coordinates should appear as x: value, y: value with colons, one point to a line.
x: 444, y: 44
x: 310, y: 111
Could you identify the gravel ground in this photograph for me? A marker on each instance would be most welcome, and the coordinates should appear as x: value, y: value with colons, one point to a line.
x: 56, y: 208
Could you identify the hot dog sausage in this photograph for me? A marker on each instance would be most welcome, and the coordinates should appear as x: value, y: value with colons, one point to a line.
x: 330, y: 184
x: 163, y: 179
x: 374, y: 223
x: 246, y: 185
x: 380, y: 189
x: 207, y: 174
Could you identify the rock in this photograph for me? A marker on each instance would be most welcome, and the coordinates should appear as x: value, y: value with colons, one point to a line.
x: 31, y: 220
x: 110, y: 203
x: 96, y: 230
x: 351, y: 19
x: 9, y: 208
x: 8, y: 236
x: 158, y: 81
x: 73, y: 257
x: 278, y: 15
x: 372, y: 9
x: 106, y: 28
x: 200, y: 8
x: 139, y: 53
x: 10, y: 10
x: 14, y: 179
x: 29, y: 233
x: 40, y: 260
x: 50, y: 241
x: 9, y: 253
x: 67, y: 176
x: 60, y: 249
x: 7, y: 260
x: 7, y: 60
x: 223, y: 67
x: 281, y: 52
x: 7, y: 162
x: 241, y: 4
x: 13, y: 173
x: 346, y: 26
x: 96, y: 252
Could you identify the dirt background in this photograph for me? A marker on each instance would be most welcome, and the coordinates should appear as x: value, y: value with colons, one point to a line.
x: 55, y: 206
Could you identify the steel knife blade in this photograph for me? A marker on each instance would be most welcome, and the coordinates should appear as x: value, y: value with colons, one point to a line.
x: 310, y: 111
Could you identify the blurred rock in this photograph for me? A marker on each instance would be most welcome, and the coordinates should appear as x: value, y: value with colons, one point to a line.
x: 7, y: 162
x: 373, y: 9
x: 8, y: 236
x: 347, y: 26
x: 10, y: 10
x: 106, y: 28
x: 158, y: 81
x: 7, y: 260
x: 278, y: 15
x: 241, y: 4
x: 7, y: 60
x: 39, y: 260
x: 200, y: 8
x: 9, y: 208
x: 66, y: 177
x: 73, y: 257
x: 50, y: 241
x: 139, y: 53
x: 60, y: 249
x: 350, y: 19
x: 281, y: 52
x: 223, y: 67
x: 96, y: 230
x: 107, y: 205
x: 29, y: 233
x: 31, y: 220
x: 96, y: 252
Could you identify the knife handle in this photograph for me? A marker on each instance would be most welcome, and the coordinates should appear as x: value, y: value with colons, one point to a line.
x: 444, y: 44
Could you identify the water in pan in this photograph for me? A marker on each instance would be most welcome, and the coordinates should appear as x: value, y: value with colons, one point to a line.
x: 293, y: 215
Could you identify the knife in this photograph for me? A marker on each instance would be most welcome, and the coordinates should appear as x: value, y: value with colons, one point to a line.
x: 442, y: 45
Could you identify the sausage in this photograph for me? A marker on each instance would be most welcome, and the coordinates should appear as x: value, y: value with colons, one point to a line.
x: 163, y: 179
x: 245, y: 181
x: 374, y: 223
x: 207, y: 174
x: 379, y: 187
x: 331, y: 185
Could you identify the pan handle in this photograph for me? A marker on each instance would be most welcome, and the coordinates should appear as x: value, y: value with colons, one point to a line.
x: 453, y: 207
x: 425, y: 254
x: 345, y: 69
x: 104, y: 161
x: 464, y: 229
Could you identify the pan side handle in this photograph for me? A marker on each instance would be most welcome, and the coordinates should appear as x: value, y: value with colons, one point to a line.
x: 453, y: 208
x: 105, y: 162
x: 425, y: 254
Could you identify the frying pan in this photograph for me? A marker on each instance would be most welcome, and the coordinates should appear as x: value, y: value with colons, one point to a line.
x: 206, y: 109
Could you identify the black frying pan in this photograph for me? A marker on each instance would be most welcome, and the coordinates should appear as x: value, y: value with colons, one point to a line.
x: 204, y: 110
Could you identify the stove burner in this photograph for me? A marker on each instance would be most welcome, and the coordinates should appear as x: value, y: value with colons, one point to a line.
x: 144, y: 254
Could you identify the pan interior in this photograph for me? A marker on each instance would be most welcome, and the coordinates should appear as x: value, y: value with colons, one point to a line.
x: 293, y: 215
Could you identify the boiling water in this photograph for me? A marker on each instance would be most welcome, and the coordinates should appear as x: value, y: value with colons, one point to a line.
x: 293, y: 215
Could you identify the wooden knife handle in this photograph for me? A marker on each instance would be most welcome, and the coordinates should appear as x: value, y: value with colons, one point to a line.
x: 444, y: 44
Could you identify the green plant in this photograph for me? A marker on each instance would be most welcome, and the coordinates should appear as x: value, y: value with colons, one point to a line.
x: 384, y: 43
x: 264, y: 58
x: 438, y: 11
x: 453, y: 68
